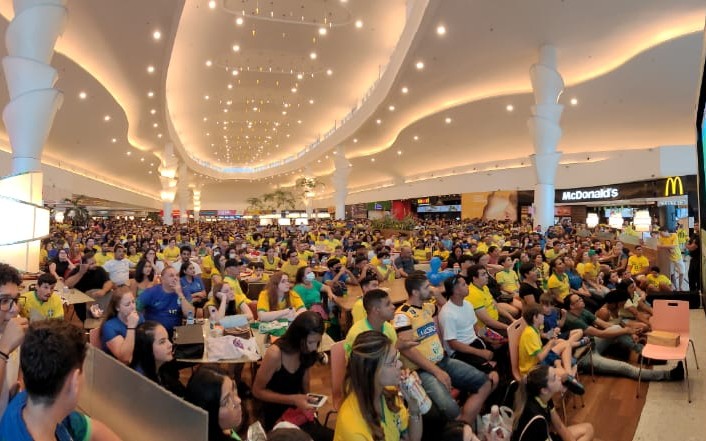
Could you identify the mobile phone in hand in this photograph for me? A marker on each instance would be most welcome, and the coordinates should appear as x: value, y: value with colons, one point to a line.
x: 316, y: 400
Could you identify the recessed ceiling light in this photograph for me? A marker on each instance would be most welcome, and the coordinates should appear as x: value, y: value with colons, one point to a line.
x: 509, y: 107
x: 106, y: 118
x: 399, y: 152
x: 372, y: 159
x: 206, y: 97
x: 284, y: 112
x: 416, y: 138
x: 230, y: 86
x: 155, y: 125
x: 329, y: 72
x: 294, y: 90
x: 378, y: 121
x: 150, y: 172
x: 234, y: 72
x: 153, y: 111
x: 447, y: 120
x: 322, y: 31
x: 299, y: 121
x: 574, y: 101
x: 236, y: 48
x: 82, y: 95
x: 391, y: 108
x: 142, y: 159
x: 209, y: 63
x: 159, y: 135
x: 212, y: 4
x: 129, y: 153
x: 355, y: 140
x: 441, y: 30
x: 359, y: 24
x: 205, y: 119
x: 420, y: 65
x: 150, y: 94
x: 150, y: 69
x: 239, y: 21
x: 311, y: 101
x: 312, y: 55
x: 156, y: 35
x: 405, y: 90
x: 114, y: 140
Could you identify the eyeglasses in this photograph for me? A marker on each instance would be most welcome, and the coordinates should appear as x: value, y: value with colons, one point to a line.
x: 6, y: 302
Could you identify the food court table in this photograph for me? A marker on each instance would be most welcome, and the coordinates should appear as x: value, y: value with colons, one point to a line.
x: 396, y: 289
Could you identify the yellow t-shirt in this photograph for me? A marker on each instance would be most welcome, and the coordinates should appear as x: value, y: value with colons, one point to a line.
x: 443, y: 255
x: 530, y: 347
x: 235, y: 286
x: 421, y: 321
x: 135, y: 258
x: 656, y: 281
x: 580, y: 268
x: 482, y: 299
x: 637, y: 265
x: 263, y: 302
x: 102, y: 259
x: 239, y: 299
x: 207, y: 267
x: 420, y: 254
x: 562, y: 285
x: 52, y: 308
x: 387, y: 273
x: 271, y: 266
x: 508, y: 280
x: 358, y: 311
x: 351, y: 426
x: 671, y: 240
x: 590, y: 271
x: 291, y: 270
x: 171, y: 253
x: 363, y: 325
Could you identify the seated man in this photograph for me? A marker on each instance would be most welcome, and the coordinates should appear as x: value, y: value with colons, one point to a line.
x: 165, y: 303
x: 579, y: 318
x: 483, y: 302
x: 379, y: 311
x: 51, y: 361
x: 405, y: 262
x: 90, y: 279
x: 358, y: 311
x: 43, y: 303
x: 414, y: 322
x: 656, y: 282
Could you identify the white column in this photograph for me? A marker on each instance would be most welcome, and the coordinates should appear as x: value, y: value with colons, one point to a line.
x: 30, y: 38
x: 167, y: 177
x: 340, y: 183
x: 197, y: 202
x: 183, y: 193
x: 545, y: 131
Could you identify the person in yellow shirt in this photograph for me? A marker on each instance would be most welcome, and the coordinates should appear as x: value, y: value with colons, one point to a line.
x: 558, y: 282
x: 226, y: 302
x: 293, y: 263
x: 656, y: 282
x: 379, y: 311
x: 271, y: 261
x: 42, y: 303
x: 670, y: 242
x: 278, y: 301
x: 638, y: 265
x: 483, y: 303
x: 358, y: 310
x: 171, y: 253
x: 104, y: 255
x: 385, y: 266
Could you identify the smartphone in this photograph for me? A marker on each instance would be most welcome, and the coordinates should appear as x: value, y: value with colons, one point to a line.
x: 316, y: 400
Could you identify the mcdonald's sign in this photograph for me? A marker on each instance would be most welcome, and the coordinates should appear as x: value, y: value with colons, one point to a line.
x: 673, y: 186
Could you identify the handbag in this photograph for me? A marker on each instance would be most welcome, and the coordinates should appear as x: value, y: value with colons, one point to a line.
x: 188, y: 342
x: 297, y: 416
x: 498, y: 429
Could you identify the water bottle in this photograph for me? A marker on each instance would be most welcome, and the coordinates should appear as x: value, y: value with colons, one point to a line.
x: 190, y: 318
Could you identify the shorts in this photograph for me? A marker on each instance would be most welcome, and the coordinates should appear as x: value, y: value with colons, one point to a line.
x: 552, y: 357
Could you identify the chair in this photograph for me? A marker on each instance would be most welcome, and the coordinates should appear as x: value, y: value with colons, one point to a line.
x: 94, y: 337
x: 338, y: 375
x: 252, y: 304
x: 671, y: 316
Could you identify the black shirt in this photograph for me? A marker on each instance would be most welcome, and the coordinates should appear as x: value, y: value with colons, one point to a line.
x: 528, y: 290
x: 92, y: 279
x: 530, y: 428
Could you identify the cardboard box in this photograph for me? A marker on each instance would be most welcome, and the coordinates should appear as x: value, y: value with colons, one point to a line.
x: 663, y: 338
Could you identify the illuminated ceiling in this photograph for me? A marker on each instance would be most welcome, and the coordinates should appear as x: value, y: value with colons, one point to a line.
x: 253, y: 93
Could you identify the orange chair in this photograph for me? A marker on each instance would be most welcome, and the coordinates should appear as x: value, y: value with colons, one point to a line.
x: 514, y: 331
x: 253, y: 308
x: 671, y: 316
x: 94, y: 337
x: 338, y: 375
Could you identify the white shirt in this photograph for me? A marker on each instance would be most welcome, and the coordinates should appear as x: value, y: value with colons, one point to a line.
x: 118, y: 270
x: 177, y: 266
x: 457, y: 324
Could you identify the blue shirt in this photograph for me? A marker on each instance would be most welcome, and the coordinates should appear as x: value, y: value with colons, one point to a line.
x: 551, y: 320
x: 340, y: 288
x: 113, y: 328
x: 160, y: 306
x: 75, y: 427
x: 189, y: 288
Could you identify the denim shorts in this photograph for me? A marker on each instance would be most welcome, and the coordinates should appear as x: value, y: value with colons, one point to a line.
x: 464, y: 377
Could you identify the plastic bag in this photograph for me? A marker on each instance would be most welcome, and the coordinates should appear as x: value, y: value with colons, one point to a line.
x: 229, y: 347
x: 496, y: 425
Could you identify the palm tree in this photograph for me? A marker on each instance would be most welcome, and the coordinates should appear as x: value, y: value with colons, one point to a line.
x: 284, y: 199
x: 76, y: 211
x: 254, y: 203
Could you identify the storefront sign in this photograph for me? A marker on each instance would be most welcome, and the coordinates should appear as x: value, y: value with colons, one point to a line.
x: 673, y: 186
x: 589, y: 194
x: 423, y: 201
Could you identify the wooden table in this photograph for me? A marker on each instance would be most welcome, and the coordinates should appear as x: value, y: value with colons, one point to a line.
x: 396, y: 289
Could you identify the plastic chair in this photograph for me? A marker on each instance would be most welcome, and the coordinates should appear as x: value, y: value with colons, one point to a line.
x: 514, y: 331
x: 94, y: 337
x: 338, y: 375
x: 671, y: 316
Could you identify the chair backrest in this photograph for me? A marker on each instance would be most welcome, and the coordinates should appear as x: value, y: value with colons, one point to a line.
x: 94, y: 337
x: 252, y: 304
x: 514, y: 331
x: 338, y: 373
x: 670, y: 315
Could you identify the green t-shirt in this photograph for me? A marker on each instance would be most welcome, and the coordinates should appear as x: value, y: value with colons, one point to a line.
x: 582, y: 322
x: 309, y: 295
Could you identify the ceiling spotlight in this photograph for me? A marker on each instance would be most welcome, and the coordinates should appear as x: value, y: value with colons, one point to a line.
x: 236, y: 48
x: 230, y: 86
x: 153, y: 111
x: 311, y: 101
x: 420, y: 65
x: 212, y: 4
x: 312, y: 55
x: 441, y: 30
x: 391, y: 108
x: 106, y: 118
x: 372, y: 159
x: 355, y: 140
x: 405, y: 90
x: 142, y: 159
x: 156, y: 35
x: 155, y: 125
x: 359, y: 24
x: 416, y: 138
x: 329, y: 72
x: 150, y: 94
x: 209, y: 63
x: 447, y: 120
x: 399, y: 152
x: 509, y: 107
x: 378, y: 121
x: 150, y: 172
x: 294, y: 90
x: 159, y: 135
x: 574, y: 101
x: 300, y: 76
x: 114, y: 140
x: 82, y: 95
x: 239, y: 21
x: 150, y: 69
x: 234, y: 72
x: 322, y: 31
x: 129, y: 153
x: 206, y: 97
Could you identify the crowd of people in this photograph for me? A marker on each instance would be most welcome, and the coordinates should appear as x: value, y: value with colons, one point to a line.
x: 572, y: 290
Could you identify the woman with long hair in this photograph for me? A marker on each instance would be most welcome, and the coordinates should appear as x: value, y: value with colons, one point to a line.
x: 144, y: 277
x: 153, y: 357
x: 157, y: 264
x: 310, y: 290
x: 226, y: 302
x: 535, y: 416
x: 282, y: 382
x: 558, y: 282
x: 75, y: 253
x: 117, y: 331
x: 60, y: 266
x: 192, y: 285
x: 278, y: 301
x: 373, y: 410
x: 214, y: 392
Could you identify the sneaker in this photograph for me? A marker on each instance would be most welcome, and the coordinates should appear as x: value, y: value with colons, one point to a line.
x: 677, y: 374
x: 574, y: 386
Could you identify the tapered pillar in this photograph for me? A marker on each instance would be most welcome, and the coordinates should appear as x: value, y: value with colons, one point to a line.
x: 167, y: 177
x: 183, y: 193
x: 340, y: 183
x: 197, y: 203
x: 545, y: 131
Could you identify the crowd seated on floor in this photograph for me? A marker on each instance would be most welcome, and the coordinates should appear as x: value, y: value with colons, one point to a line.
x: 432, y: 364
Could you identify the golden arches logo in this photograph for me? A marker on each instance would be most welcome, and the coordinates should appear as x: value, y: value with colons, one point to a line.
x: 670, y: 187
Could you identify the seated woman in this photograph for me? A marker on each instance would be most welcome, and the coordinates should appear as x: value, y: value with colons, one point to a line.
x: 153, y: 358
x: 278, y: 301
x: 61, y: 265
x: 271, y: 262
x: 312, y: 291
x: 373, y: 409
x: 385, y: 266
x: 509, y: 285
x: 144, y: 277
x: 117, y: 332
x: 226, y: 302
x: 217, y: 394
x: 157, y: 264
x: 192, y: 285
x: 535, y: 416
x: 530, y: 288
x: 282, y: 381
